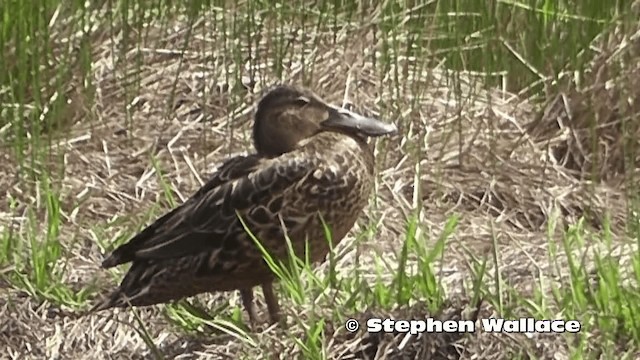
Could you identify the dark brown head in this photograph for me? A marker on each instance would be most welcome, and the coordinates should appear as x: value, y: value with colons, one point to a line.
x: 287, y: 115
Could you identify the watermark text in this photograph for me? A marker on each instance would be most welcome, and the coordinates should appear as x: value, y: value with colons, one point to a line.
x: 493, y: 325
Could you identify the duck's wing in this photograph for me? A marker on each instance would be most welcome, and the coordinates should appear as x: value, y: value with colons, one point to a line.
x: 231, y: 169
x: 201, y: 223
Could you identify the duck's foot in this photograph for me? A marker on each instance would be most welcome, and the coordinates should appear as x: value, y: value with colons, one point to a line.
x: 270, y: 299
x: 247, y: 302
x: 272, y: 303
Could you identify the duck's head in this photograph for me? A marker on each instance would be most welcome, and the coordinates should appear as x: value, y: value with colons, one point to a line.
x: 287, y: 115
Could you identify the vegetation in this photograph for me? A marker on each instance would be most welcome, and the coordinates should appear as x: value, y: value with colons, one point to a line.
x: 510, y: 192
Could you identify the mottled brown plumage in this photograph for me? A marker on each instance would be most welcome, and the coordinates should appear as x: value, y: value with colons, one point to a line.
x: 312, y: 162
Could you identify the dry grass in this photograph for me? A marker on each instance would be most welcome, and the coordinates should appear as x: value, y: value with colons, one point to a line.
x: 483, y: 154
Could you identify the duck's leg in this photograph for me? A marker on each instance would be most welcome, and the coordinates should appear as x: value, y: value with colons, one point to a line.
x: 247, y: 301
x: 272, y: 302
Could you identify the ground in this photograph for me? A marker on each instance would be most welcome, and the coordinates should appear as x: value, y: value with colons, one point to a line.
x: 515, y: 212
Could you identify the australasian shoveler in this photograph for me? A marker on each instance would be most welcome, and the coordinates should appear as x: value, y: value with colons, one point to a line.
x: 312, y: 165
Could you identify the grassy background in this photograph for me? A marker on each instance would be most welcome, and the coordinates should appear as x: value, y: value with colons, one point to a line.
x: 513, y: 181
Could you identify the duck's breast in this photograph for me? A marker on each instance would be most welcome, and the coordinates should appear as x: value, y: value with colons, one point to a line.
x: 337, y: 189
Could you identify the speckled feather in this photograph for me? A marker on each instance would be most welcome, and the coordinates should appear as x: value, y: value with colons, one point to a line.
x: 202, y: 245
x: 312, y: 165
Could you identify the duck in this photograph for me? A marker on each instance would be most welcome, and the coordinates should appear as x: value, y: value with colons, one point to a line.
x: 312, y: 169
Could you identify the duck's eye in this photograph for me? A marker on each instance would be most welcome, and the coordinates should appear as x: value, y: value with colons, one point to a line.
x: 302, y: 101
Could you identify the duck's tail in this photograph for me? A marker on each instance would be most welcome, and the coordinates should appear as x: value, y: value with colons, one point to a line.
x: 114, y: 300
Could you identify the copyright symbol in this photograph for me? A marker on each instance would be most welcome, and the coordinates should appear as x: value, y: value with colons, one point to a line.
x: 352, y: 325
